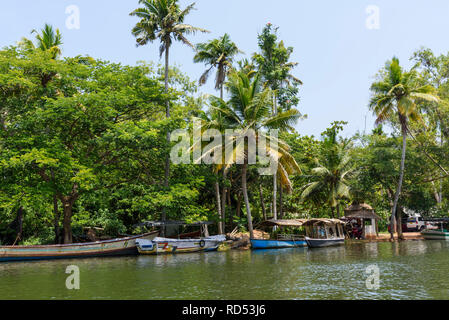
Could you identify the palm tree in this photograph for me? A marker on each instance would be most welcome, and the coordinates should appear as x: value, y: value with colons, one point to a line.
x: 46, y: 40
x: 397, y: 94
x: 219, y: 54
x: 330, y: 179
x: 163, y: 20
x: 274, y: 65
x: 249, y: 108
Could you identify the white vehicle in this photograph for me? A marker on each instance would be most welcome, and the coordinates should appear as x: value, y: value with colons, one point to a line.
x: 417, y: 223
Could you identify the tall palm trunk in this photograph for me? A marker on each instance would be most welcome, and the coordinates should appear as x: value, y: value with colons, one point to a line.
x: 281, y: 206
x: 262, y: 203
x: 223, y: 201
x: 401, y: 178
x: 217, y: 197
x: 222, y: 224
x: 275, y: 215
x: 245, y: 197
x: 167, y: 158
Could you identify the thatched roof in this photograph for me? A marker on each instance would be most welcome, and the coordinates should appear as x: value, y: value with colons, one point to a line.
x: 311, y: 222
x: 284, y: 223
x: 361, y: 211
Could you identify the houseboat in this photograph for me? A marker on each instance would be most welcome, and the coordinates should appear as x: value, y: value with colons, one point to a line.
x: 324, y: 232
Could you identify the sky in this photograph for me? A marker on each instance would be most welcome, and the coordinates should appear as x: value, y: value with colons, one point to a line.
x: 339, y: 45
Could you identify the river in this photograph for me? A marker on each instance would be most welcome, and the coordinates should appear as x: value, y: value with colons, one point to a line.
x: 407, y: 270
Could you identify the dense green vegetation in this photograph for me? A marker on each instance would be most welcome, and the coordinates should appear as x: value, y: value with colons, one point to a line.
x: 86, y: 143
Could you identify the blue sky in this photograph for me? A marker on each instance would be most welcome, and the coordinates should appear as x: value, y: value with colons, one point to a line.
x: 338, y: 55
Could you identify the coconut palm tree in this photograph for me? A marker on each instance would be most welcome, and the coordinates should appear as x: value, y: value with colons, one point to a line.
x: 219, y: 54
x: 330, y: 180
x: 163, y: 20
x: 274, y: 65
x: 396, y: 96
x: 249, y: 109
x: 46, y: 40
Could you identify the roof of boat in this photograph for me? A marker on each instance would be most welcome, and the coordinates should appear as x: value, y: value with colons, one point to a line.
x: 300, y: 222
x: 284, y: 222
x: 174, y: 223
x: 315, y: 221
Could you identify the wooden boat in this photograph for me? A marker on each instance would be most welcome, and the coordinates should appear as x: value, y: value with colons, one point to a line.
x: 277, y: 244
x: 440, y: 230
x: 282, y: 240
x: 114, y: 247
x: 324, y: 232
x: 435, y: 234
x: 167, y: 245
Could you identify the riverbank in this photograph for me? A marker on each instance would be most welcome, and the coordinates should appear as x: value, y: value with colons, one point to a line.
x: 241, y: 240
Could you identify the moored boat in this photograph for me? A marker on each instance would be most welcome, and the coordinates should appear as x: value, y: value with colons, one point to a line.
x: 114, y: 247
x: 182, y: 243
x: 167, y: 245
x: 324, y: 233
x: 435, y: 234
x: 438, y: 233
x: 282, y: 240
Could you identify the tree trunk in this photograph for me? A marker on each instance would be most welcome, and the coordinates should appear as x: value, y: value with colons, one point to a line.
x: 167, y: 157
x: 338, y: 211
x: 401, y: 177
x: 262, y: 203
x: 281, y: 206
x: 19, y: 227
x: 275, y: 185
x: 217, y: 198
x: 245, y: 197
x: 239, y: 205
x: 223, y: 201
x: 56, y: 219
x: 67, y: 222
x: 332, y: 212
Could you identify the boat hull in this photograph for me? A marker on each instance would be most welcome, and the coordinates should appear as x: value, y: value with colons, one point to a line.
x: 167, y: 245
x: 115, y: 247
x: 320, y: 243
x: 435, y: 235
x: 276, y: 244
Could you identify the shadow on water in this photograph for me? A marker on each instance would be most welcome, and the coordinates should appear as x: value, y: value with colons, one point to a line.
x: 407, y: 270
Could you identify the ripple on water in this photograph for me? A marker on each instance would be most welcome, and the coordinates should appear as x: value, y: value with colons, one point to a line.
x: 407, y: 270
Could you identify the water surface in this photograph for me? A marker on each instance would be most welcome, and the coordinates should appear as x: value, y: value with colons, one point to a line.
x: 408, y: 270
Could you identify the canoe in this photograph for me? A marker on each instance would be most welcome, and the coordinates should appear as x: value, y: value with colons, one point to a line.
x: 435, y: 234
x: 319, y: 243
x: 114, y: 247
x: 167, y: 245
x: 276, y: 244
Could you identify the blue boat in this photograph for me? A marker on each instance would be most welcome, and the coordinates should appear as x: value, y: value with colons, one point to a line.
x: 277, y: 244
x: 283, y: 240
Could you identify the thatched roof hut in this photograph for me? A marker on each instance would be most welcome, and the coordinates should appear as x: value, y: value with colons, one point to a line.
x: 361, y: 211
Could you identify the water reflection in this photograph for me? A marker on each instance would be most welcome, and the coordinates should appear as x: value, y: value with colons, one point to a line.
x: 408, y: 270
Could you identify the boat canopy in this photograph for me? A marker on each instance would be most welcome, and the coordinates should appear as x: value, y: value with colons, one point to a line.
x: 173, y: 223
x: 284, y: 223
x: 312, y: 222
